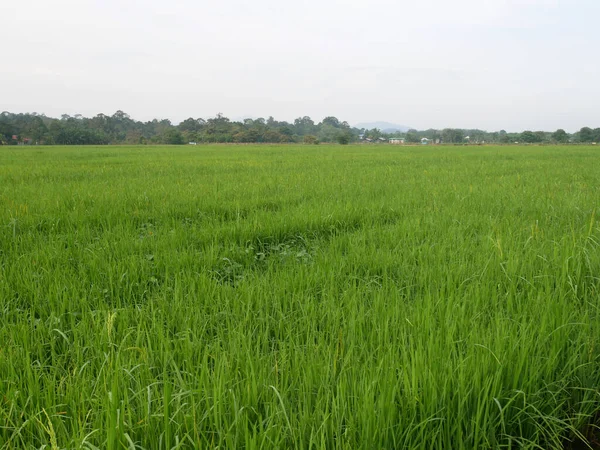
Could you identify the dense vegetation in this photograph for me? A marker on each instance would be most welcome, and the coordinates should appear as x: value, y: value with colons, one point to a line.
x: 122, y: 129
x: 299, y: 297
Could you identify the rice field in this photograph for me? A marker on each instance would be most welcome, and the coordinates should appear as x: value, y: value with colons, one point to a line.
x: 309, y: 297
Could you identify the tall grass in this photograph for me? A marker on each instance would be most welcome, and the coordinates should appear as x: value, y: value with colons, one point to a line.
x: 295, y: 297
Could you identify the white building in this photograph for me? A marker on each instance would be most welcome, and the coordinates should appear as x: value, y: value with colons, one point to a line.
x: 396, y: 140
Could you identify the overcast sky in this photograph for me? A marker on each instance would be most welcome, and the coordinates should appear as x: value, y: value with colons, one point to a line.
x: 490, y: 64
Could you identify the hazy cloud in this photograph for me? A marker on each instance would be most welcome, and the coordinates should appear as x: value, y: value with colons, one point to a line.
x: 468, y: 63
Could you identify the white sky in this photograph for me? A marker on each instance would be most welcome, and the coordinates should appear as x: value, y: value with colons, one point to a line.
x: 490, y: 64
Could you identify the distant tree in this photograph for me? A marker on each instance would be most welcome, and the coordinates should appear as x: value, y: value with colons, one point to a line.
x: 284, y: 138
x: 72, y: 132
x: 530, y: 137
x: 560, y: 136
x: 333, y: 121
x: 133, y: 137
x: 304, y: 126
x: 310, y: 139
x: 542, y: 136
x: 240, y: 136
x: 503, y: 137
x: 273, y: 136
x: 375, y: 133
x: 121, y: 128
x: 343, y: 139
x: 412, y: 137
x: 193, y: 125
x: 218, y: 129
x: 172, y: 137
x: 477, y: 135
x: 431, y: 134
x: 120, y: 115
x: 286, y: 130
x: 327, y: 133
x: 586, y: 134
x: 453, y: 136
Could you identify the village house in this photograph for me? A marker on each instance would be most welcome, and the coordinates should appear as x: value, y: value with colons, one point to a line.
x: 22, y: 141
x: 397, y: 140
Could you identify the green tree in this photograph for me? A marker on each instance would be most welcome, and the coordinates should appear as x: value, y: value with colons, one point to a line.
x: 192, y: 125
x: 172, y: 137
x: 374, y: 134
x: 327, y: 133
x: 530, y: 137
x: 586, y: 134
x: 560, y: 136
x: 133, y: 137
x: 343, y: 139
x: 453, y: 136
x: 503, y: 137
x: 304, y: 126
x: 310, y: 139
x: 412, y: 137
x: 333, y: 121
x: 542, y: 136
x: 273, y: 136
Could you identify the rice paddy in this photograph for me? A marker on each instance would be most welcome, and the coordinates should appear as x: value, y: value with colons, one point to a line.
x: 322, y: 297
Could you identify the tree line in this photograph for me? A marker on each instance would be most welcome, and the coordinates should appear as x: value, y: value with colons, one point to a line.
x: 120, y: 128
x: 461, y: 136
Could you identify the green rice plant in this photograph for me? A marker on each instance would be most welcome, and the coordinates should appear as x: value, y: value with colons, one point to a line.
x: 350, y: 297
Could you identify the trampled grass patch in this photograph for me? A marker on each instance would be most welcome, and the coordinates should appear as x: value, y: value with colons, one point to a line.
x: 299, y: 297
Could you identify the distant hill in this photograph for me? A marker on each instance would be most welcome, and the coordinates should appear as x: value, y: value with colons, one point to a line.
x: 386, y: 127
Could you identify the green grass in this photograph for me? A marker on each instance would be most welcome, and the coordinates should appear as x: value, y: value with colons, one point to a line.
x: 359, y: 297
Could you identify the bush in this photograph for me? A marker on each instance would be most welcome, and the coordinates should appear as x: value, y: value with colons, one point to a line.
x: 310, y: 139
x: 343, y: 139
x: 172, y: 137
